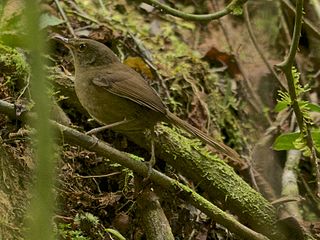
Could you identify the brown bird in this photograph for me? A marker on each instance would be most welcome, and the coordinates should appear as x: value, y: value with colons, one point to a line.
x: 119, y: 97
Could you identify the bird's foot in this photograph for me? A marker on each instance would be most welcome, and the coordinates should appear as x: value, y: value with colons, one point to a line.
x: 150, y: 164
x: 96, y: 140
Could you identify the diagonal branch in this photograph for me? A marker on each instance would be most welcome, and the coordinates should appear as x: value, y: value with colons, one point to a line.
x: 74, y: 137
x: 256, y: 45
x: 306, y: 22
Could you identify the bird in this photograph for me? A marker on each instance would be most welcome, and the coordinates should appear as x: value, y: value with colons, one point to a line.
x: 119, y: 98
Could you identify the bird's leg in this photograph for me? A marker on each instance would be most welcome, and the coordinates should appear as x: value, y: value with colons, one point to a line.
x: 99, y: 129
x: 152, y: 161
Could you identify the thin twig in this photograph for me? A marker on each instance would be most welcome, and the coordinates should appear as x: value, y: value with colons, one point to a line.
x: 99, y: 176
x: 64, y: 16
x: 288, y: 37
x: 306, y: 23
x: 85, y: 16
x: 309, y: 192
x: 256, y: 45
x: 253, y: 99
x: 102, y: 5
x: 234, y: 4
x: 284, y: 24
x: 26, y: 87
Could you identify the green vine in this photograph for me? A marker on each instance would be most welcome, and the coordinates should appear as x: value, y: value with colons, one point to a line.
x: 286, y: 101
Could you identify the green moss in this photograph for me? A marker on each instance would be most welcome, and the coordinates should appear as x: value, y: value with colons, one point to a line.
x: 217, y: 178
x: 14, y: 68
x: 135, y: 157
x: 186, y: 145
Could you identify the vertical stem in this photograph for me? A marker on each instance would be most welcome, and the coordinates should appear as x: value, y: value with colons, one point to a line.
x: 286, y: 67
x: 41, y: 209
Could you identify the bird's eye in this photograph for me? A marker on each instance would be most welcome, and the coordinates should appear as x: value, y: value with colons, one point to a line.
x: 82, y: 47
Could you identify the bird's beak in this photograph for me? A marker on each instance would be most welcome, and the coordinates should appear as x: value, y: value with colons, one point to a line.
x: 61, y: 39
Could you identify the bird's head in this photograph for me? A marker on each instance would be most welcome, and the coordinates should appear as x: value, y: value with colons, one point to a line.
x: 87, y: 52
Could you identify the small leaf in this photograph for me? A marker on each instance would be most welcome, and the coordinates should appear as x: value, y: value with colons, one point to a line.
x: 316, y: 138
x: 289, y: 141
x: 139, y: 65
x: 314, y: 107
x: 280, y: 106
x: 285, y: 141
x: 115, y: 233
x: 47, y: 20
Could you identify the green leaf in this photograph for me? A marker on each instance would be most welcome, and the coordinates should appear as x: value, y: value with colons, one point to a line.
x: 316, y: 138
x: 285, y: 141
x: 115, y: 233
x: 280, y: 106
x: 314, y: 107
x: 47, y: 20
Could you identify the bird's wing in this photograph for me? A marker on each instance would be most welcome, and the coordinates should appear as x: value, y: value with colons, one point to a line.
x: 127, y: 83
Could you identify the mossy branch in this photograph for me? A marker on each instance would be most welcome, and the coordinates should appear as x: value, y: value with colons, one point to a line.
x: 153, y: 219
x: 212, y: 174
x: 71, y: 136
x: 231, y: 7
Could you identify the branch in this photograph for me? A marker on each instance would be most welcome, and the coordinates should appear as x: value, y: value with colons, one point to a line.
x: 64, y: 16
x: 306, y: 22
x: 290, y: 184
x: 256, y: 45
x: 153, y: 219
x: 212, y: 174
x: 74, y: 137
x: 288, y: 62
x: 231, y: 7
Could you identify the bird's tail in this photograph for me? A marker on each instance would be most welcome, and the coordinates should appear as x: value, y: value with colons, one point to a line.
x: 221, y: 147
